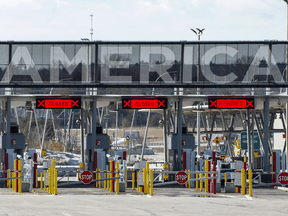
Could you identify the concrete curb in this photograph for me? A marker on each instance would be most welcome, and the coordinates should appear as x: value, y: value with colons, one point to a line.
x: 282, y: 188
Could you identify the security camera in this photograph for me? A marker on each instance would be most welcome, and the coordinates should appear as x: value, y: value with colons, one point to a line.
x: 78, y: 121
x: 244, y: 121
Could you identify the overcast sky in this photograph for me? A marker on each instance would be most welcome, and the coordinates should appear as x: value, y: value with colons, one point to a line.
x: 142, y: 20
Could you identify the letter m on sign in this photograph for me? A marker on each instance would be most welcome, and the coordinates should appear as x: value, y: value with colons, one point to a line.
x: 59, y: 56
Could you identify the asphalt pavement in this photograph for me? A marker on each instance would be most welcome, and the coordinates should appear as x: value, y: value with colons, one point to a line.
x: 165, y: 201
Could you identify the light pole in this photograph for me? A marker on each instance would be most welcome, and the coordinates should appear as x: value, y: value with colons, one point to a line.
x: 199, y: 32
x: 287, y: 89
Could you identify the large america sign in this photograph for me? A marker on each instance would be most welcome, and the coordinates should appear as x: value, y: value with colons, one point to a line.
x: 136, y: 64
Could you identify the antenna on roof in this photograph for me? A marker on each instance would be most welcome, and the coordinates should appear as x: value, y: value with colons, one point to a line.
x: 91, y: 30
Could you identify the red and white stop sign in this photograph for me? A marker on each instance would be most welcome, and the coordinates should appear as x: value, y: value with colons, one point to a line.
x: 283, y: 178
x: 181, y: 177
x: 86, y: 177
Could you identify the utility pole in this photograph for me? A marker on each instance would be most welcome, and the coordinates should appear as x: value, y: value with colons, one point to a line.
x: 91, y: 30
x: 199, y: 32
x: 286, y: 1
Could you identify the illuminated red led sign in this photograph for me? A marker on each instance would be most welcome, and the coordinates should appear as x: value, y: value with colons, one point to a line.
x: 144, y: 103
x: 58, y: 103
x: 231, y: 103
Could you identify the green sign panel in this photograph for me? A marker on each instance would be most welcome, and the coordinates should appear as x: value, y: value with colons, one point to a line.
x: 222, y: 150
x: 244, y: 140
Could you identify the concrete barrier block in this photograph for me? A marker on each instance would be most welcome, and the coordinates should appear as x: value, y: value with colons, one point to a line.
x: 218, y: 187
x: 26, y: 187
x: 122, y: 187
x: 229, y: 187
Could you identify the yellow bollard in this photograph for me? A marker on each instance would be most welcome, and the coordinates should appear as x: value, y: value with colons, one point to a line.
x: 133, y: 180
x: 44, y: 181
x: 189, y: 177
x: 111, y: 187
x: 137, y: 181
x: 243, y: 181
x: 49, y: 183
x: 225, y: 177
x: 9, y: 181
x: 55, y: 182
x: 201, y: 182
x: 186, y: 183
x: 96, y: 177
x: 41, y: 180
x: 250, y: 182
x: 126, y: 178
x: 117, y: 180
x: 147, y: 181
x: 36, y: 178
x: 111, y: 176
x: 147, y: 176
x: 80, y: 169
x: 99, y: 177
x: 151, y: 182
x: 196, y: 186
x: 14, y: 175
x: 52, y: 177
x: 104, y: 182
x: 206, y: 176
x: 144, y: 179
x: 107, y: 182
x: 19, y: 175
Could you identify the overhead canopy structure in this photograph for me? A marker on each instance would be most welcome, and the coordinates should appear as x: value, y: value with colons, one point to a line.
x: 102, y: 72
x: 143, y: 64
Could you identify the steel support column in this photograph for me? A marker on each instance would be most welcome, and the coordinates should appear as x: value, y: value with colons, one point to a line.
x: 266, y: 136
x: 179, y: 132
x: 252, y: 140
x: 8, y: 120
x: 82, y: 133
x: 259, y: 130
x: 198, y: 133
x: 94, y: 113
x: 165, y: 135
x: 249, y: 144
x: 224, y: 127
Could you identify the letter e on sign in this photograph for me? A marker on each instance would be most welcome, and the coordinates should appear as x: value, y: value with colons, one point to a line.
x: 13, y: 142
x: 98, y: 142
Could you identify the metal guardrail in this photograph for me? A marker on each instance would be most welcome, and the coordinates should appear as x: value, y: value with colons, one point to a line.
x: 10, y: 171
x: 189, y: 180
x: 191, y: 172
x: 4, y: 179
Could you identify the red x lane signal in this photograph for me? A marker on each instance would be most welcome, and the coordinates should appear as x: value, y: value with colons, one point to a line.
x: 231, y: 103
x: 127, y: 103
x: 58, y: 103
x: 144, y: 103
x: 161, y: 103
x: 250, y: 103
x: 40, y: 104
x: 213, y: 103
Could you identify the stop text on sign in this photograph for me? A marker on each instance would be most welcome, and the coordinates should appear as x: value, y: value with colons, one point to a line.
x: 181, y: 177
x: 283, y: 178
x: 58, y: 103
x: 231, y: 103
x: 86, y: 177
x: 144, y: 103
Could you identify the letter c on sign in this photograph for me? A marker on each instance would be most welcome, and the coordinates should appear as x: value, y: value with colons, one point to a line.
x: 205, y: 64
